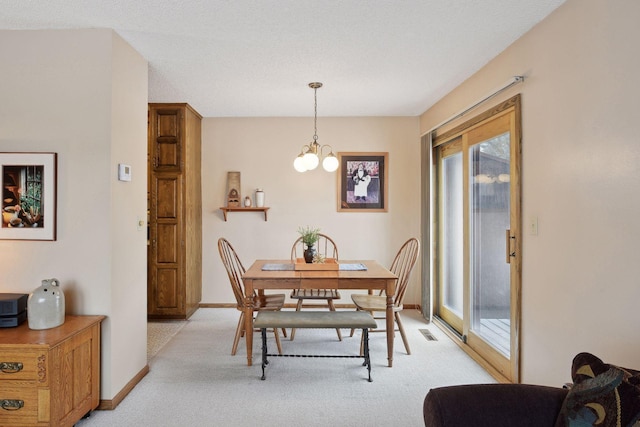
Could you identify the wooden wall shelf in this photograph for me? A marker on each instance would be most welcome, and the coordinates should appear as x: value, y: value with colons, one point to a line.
x: 242, y: 209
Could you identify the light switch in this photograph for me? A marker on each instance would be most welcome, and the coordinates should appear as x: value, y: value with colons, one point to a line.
x: 533, y: 226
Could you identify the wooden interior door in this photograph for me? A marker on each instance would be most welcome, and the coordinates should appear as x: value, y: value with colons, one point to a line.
x: 165, y: 293
x: 165, y: 289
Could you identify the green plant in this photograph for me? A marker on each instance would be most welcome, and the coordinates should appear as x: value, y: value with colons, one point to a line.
x: 309, y: 235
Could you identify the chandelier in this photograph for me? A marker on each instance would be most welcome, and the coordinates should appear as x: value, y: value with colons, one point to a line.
x: 310, y: 156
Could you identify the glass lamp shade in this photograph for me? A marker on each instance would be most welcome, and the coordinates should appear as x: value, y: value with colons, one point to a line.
x: 298, y: 164
x: 330, y: 163
x: 311, y: 160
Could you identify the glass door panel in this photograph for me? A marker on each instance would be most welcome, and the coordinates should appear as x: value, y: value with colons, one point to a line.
x: 489, y: 189
x: 451, y: 266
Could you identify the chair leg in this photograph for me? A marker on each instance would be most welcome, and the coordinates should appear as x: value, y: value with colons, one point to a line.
x: 293, y: 330
x: 402, y: 334
x: 277, y: 335
x: 239, y: 331
x: 333, y: 308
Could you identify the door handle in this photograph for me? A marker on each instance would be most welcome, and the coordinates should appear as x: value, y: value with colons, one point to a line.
x: 510, y: 243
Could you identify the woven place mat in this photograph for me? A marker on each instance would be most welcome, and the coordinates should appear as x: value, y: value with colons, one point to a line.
x: 289, y: 267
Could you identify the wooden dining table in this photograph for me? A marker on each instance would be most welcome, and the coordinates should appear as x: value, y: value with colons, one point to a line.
x: 281, y: 274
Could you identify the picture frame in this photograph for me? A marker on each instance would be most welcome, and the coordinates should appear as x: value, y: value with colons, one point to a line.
x: 363, y: 181
x: 29, y: 187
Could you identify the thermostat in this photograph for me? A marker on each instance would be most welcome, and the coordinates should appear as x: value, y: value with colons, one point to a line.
x: 124, y: 172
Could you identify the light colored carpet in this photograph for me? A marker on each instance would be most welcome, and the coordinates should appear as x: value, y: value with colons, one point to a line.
x: 194, y: 380
x: 159, y: 333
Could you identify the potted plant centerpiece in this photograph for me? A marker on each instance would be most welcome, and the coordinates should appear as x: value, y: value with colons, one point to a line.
x: 309, y: 238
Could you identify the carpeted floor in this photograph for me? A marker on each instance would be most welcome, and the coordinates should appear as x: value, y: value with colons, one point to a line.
x: 194, y: 380
x: 159, y: 333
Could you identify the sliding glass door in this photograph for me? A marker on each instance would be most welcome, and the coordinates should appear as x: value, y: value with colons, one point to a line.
x: 478, y: 217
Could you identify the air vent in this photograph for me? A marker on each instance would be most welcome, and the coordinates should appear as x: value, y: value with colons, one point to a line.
x: 428, y: 335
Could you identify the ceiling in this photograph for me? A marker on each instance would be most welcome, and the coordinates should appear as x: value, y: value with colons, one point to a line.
x: 255, y: 58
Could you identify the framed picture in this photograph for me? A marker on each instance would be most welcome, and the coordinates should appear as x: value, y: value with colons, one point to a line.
x: 28, y: 196
x: 363, y: 182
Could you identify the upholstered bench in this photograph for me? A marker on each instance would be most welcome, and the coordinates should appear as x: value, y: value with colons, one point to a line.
x: 315, y: 320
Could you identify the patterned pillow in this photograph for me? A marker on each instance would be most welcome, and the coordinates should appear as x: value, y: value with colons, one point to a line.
x: 602, y: 395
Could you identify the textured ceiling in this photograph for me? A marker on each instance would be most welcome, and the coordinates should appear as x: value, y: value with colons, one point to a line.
x: 255, y: 58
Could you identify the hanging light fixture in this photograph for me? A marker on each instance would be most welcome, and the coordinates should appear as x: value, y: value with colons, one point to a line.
x: 310, y: 156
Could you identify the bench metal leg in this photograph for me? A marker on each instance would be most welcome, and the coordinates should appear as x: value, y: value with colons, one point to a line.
x: 265, y: 362
x: 367, y: 360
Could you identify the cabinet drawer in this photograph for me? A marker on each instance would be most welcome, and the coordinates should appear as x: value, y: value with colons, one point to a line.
x: 22, y: 365
x: 26, y: 394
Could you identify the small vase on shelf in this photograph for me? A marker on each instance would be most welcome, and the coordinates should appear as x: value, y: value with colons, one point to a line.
x: 247, y: 202
x: 259, y: 198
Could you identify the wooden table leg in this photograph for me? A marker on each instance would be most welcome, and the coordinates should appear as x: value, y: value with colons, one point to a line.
x: 390, y: 328
x: 248, y: 320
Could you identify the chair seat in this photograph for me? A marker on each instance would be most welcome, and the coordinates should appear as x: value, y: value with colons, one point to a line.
x: 372, y: 302
x: 315, y: 294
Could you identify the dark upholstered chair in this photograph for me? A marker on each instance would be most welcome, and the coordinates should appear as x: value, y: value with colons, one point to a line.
x: 493, y: 405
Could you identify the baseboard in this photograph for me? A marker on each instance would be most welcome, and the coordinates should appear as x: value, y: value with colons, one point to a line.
x: 108, y: 405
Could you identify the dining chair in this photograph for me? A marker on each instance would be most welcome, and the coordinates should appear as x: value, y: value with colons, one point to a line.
x: 326, y: 247
x: 401, y: 266
x: 235, y: 270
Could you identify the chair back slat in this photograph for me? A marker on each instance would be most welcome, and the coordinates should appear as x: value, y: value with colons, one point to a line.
x: 325, y: 246
x: 402, y: 266
x: 234, y: 268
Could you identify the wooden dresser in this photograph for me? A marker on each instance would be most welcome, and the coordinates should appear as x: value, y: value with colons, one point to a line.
x: 50, y: 377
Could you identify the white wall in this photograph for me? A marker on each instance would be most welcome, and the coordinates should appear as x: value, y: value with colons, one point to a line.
x: 580, y: 179
x: 263, y: 149
x: 83, y: 95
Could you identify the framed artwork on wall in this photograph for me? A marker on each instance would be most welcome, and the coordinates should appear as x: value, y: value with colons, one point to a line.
x: 28, y: 196
x: 363, y: 182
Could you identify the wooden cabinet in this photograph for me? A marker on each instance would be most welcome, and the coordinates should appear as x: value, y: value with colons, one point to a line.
x: 175, y: 212
x: 50, y: 377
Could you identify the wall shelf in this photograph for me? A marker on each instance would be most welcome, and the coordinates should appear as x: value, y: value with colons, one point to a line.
x: 242, y: 209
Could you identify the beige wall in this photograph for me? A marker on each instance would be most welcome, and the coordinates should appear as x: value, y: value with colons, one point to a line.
x: 580, y: 179
x: 83, y: 95
x: 263, y: 149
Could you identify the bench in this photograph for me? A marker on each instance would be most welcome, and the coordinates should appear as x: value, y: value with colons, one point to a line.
x: 315, y: 320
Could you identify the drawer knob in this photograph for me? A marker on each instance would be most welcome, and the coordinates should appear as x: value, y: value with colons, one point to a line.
x: 11, y: 404
x: 10, y: 367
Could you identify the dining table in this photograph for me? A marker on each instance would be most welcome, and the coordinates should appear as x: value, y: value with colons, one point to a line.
x: 284, y: 274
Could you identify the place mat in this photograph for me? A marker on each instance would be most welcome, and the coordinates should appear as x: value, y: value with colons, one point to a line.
x: 353, y: 267
x: 290, y: 267
x: 277, y: 267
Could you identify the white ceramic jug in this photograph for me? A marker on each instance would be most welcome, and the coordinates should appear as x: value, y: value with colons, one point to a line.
x: 45, y: 306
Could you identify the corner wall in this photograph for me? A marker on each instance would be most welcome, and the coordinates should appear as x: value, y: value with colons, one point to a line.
x: 83, y: 95
x: 580, y: 179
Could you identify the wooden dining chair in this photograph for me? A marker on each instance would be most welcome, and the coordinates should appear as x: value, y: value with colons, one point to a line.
x: 401, y: 266
x: 235, y: 270
x: 326, y: 247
